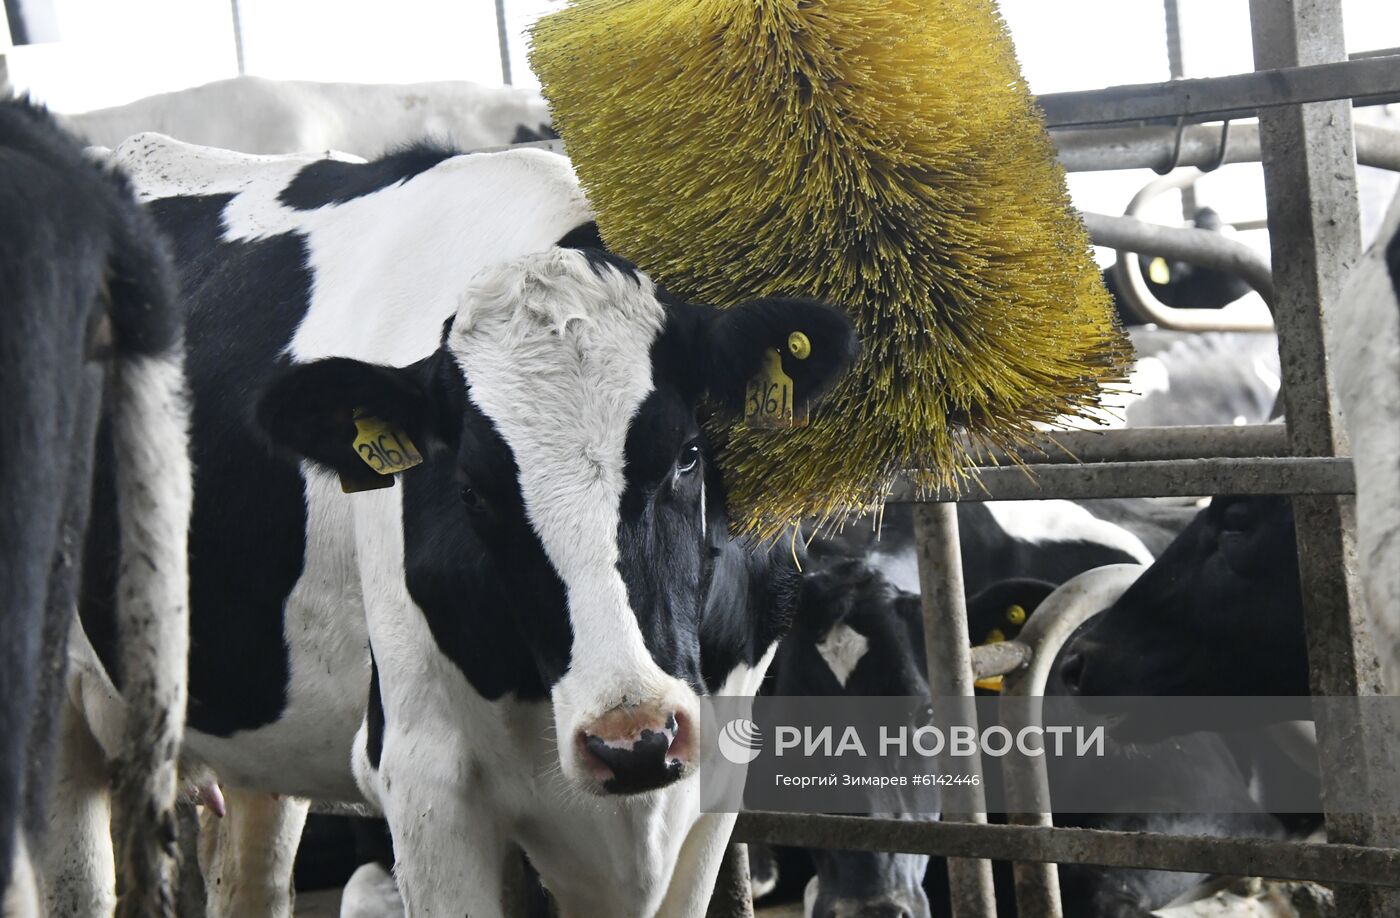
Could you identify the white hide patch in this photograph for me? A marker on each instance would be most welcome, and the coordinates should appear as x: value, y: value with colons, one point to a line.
x: 1064, y: 521
x: 558, y: 356
x: 842, y: 649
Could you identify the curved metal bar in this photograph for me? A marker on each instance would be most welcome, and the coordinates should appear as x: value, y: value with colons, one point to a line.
x: 1027, y: 786
x: 1200, y: 247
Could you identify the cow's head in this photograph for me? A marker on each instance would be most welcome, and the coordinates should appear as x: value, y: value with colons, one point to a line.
x: 857, y: 635
x: 567, y: 486
x: 1219, y: 613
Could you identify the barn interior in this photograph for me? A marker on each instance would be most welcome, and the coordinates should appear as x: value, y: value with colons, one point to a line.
x: 1210, y: 533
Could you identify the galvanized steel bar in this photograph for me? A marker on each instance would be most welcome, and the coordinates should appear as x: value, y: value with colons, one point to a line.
x: 1176, y: 478
x: 1235, y: 96
x: 1144, y: 444
x: 1028, y: 801
x: 1151, y: 147
x: 733, y: 893
x: 950, y: 676
x: 1246, y: 857
x: 999, y: 659
x: 1314, y: 220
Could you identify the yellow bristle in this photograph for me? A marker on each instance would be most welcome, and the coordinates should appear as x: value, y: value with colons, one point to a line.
x: 882, y: 155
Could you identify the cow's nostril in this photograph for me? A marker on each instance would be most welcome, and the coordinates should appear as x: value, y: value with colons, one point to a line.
x: 631, y: 755
x: 1072, y: 671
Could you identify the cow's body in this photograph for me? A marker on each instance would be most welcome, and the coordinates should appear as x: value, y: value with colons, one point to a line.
x: 256, y: 115
x: 535, y: 576
x: 90, y: 337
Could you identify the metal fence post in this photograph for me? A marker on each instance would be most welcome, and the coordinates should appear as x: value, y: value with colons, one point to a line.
x: 1310, y: 180
x: 950, y: 676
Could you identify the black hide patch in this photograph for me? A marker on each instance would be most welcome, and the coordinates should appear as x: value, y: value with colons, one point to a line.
x: 331, y: 182
x: 247, y: 534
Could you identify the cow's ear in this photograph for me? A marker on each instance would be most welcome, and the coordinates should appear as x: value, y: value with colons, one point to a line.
x: 815, y: 344
x: 363, y: 421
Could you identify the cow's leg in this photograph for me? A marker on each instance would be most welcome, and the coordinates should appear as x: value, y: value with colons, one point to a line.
x: 78, y: 866
x: 449, y: 853
x: 247, y: 856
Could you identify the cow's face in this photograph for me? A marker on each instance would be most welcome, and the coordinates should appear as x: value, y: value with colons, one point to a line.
x: 857, y: 635
x: 1219, y: 613
x: 567, y: 484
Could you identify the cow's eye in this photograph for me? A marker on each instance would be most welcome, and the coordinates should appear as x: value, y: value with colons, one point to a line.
x: 472, y: 498
x: 689, y: 459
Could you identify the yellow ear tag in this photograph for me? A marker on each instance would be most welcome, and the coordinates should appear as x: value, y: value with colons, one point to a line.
x: 995, y: 636
x: 1016, y: 615
x: 384, y: 448
x: 989, y: 683
x: 768, y: 399
x: 1158, y: 271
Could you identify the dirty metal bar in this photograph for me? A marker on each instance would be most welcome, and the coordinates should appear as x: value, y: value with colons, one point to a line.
x: 1151, y: 146
x: 1239, y: 95
x: 950, y: 676
x: 1028, y: 800
x: 1177, y: 478
x: 1246, y: 857
x: 1149, y: 444
x: 344, y: 808
x: 1145, y: 444
x: 1310, y: 185
x: 999, y: 659
x: 733, y: 894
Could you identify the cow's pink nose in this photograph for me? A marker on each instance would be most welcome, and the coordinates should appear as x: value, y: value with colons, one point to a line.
x: 636, y: 748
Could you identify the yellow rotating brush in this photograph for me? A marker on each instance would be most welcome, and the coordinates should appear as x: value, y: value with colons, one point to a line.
x: 883, y: 155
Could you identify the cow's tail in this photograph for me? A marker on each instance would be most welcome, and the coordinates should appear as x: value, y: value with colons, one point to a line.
x: 150, y: 432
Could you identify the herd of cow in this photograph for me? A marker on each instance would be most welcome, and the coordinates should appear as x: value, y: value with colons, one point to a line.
x: 457, y: 548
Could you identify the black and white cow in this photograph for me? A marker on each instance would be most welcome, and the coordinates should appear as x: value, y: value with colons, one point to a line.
x: 1218, y: 613
x: 89, y: 340
x: 858, y: 635
x: 509, y: 646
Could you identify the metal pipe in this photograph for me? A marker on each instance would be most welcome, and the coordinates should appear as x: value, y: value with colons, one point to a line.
x: 1143, y: 444
x: 1367, y: 81
x: 733, y: 893
x: 1150, y: 146
x: 949, y: 656
x: 1246, y: 857
x: 1199, y: 247
x: 999, y: 659
x: 1176, y: 478
x: 237, y: 36
x: 503, y: 41
x: 1028, y: 800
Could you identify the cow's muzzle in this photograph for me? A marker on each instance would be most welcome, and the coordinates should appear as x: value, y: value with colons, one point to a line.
x: 637, y: 748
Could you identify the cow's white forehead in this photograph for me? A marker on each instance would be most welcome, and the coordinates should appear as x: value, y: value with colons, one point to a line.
x: 558, y: 356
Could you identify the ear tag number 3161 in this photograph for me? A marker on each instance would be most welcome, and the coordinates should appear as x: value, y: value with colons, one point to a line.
x: 768, y: 399
x: 384, y: 448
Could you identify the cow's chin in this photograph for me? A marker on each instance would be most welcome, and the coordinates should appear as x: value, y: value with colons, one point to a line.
x: 631, y: 748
